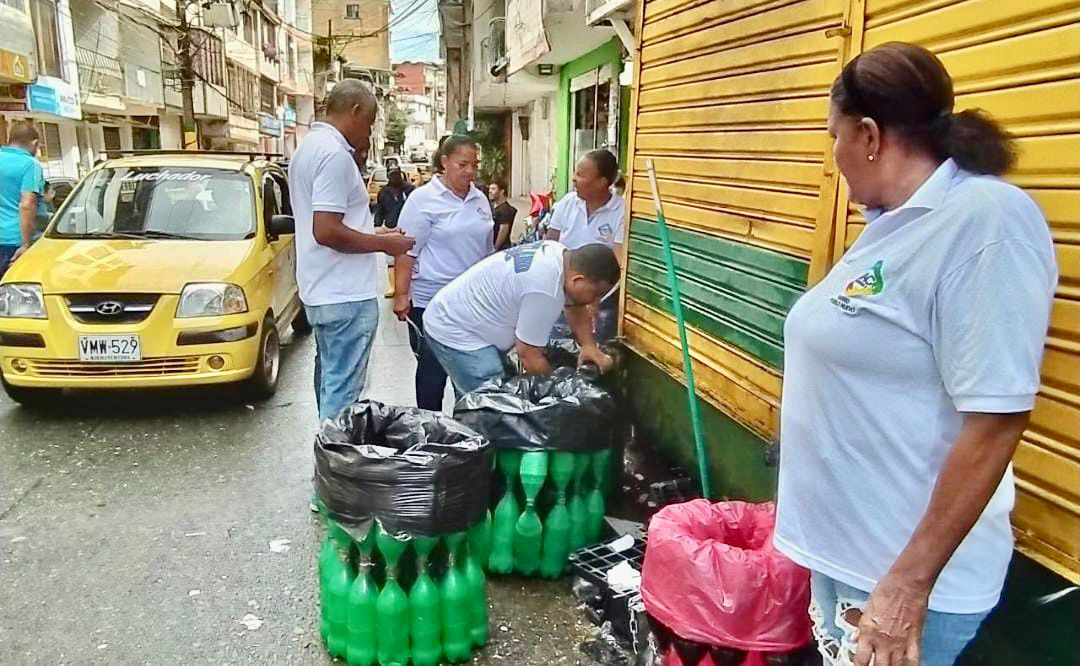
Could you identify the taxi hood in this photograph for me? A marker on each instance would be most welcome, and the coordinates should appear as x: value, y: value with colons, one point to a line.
x: 64, y: 266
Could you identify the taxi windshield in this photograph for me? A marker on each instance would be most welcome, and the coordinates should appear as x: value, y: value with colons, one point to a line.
x: 159, y: 203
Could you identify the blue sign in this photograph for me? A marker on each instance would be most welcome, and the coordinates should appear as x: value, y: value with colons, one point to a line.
x: 290, y: 116
x: 270, y: 125
x: 53, y: 96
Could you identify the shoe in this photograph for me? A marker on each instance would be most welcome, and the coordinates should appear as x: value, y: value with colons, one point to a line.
x: 313, y: 504
x: 392, y: 291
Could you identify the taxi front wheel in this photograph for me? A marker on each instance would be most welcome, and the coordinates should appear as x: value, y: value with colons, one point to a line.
x: 263, y: 383
x: 33, y: 398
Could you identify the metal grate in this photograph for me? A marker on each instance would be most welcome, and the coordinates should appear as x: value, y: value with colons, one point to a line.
x: 154, y: 367
x: 111, y: 308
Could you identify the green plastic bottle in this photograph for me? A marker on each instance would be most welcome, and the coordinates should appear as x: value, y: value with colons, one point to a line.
x: 456, y: 624
x: 339, y: 578
x: 528, y: 532
x: 480, y: 539
x: 425, y: 616
x: 478, y: 610
x: 594, y: 504
x: 363, y: 599
x: 326, y: 557
x: 557, y: 524
x: 392, y: 607
x: 602, y: 467
x: 501, y: 559
x: 579, y: 516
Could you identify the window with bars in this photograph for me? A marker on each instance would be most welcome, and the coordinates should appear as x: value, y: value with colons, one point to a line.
x: 112, y: 138
x: 48, y: 40
x: 49, y: 145
x: 209, y: 60
x: 352, y: 12
x: 267, y: 96
x: 249, y: 26
x: 19, y: 5
x: 243, y: 90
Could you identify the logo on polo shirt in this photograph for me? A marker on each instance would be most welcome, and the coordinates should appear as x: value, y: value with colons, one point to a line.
x: 605, y: 232
x: 870, y: 283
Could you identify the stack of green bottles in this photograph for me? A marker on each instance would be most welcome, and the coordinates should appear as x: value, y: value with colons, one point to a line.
x: 552, y: 504
x: 394, y: 601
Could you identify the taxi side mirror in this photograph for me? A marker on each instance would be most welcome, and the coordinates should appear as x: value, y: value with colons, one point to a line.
x: 281, y: 225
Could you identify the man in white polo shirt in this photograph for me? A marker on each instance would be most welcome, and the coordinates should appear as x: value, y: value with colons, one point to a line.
x: 337, y: 260
x: 512, y: 299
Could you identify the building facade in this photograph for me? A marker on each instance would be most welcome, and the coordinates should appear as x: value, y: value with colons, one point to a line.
x: 555, y: 79
x: 420, y: 93
x: 96, y: 78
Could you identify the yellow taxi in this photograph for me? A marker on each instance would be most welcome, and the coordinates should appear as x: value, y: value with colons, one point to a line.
x: 168, y: 269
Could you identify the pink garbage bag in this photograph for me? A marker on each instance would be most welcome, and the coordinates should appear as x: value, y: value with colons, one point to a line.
x: 712, y: 576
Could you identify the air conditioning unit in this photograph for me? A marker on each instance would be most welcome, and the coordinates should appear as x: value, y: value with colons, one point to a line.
x: 221, y: 15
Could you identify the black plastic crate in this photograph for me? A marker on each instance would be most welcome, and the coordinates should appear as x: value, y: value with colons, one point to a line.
x: 673, y: 491
x: 592, y: 563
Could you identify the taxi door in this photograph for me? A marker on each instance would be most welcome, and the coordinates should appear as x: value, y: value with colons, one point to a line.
x: 283, y: 265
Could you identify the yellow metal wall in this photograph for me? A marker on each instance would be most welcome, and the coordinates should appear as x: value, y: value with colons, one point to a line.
x: 730, y: 102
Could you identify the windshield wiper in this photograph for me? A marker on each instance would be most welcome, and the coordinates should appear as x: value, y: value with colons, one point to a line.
x: 153, y: 233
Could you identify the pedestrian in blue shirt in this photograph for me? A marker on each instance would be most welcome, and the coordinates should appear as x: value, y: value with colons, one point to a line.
x: 21, y: 183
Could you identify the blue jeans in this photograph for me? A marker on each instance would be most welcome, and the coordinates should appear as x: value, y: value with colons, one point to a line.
x: 344, y: 334
x: 467, y: 369
x: 430, y: 376
x: 6, y: 253
x: 945, y: 635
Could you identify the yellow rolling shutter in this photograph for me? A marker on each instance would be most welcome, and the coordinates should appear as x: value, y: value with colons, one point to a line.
x: 1020, y: 61
x: 730, y: 103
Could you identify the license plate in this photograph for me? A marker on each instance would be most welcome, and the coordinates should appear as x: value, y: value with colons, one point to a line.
x: 109, y: 348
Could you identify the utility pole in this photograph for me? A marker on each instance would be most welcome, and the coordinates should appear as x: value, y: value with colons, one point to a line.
x: 187, y: 80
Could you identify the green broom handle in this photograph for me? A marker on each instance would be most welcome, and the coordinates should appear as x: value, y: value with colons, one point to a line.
x: 680, y: 322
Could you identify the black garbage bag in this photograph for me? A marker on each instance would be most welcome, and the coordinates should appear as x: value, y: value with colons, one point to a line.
x: 417, y: 472
x: 561, y: 353
x: 566, y: 411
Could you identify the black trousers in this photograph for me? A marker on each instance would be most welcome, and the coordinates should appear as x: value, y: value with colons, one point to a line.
x: 430, y: 376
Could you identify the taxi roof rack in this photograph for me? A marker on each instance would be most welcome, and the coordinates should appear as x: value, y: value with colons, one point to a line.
x: 252, y: 154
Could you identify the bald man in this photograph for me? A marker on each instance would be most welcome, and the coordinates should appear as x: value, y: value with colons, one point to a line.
x: 21, y: 183
x: 337, y: 260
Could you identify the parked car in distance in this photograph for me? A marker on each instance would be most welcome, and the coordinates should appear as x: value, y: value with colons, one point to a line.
x: 160, y: 270
x: 375, y: 180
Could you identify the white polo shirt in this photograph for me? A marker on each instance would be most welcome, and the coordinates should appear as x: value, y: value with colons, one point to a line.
x: 940, y: 308
x: 512, y: 295
x: 571, y: 219
x: 451, y: 235
x: 324, y: 177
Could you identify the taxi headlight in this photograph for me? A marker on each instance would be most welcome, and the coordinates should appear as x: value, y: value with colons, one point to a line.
x: 22, y: 301
x: 211, y: 299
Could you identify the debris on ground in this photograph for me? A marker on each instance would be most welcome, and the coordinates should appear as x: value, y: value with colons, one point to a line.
x: 251, y: 622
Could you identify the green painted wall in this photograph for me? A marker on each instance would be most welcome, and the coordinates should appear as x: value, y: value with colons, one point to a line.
x: 735, y: 292
x: 736, y: 456
x: 609, y: 53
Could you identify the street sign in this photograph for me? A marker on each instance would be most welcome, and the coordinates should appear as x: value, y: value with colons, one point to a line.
x: 14, y: 67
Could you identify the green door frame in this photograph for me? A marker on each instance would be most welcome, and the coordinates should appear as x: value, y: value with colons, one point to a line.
x: 606, y: 54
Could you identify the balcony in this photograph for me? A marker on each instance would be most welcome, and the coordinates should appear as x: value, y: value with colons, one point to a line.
x: 101, y: 79
x: 143, y: 86
x: 495, y: 89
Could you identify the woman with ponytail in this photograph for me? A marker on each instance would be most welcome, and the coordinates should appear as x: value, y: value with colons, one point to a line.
x: 911, y: 370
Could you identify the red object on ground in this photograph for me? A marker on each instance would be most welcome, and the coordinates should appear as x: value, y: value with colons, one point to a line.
x: 712, y: 576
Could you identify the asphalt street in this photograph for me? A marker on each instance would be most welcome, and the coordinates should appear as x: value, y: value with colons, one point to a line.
x: 173, y: 528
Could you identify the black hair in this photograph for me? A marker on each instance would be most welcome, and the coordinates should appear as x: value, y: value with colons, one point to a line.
x: 597, y: 262
x: 448, y: 145
x: 395, y: 178
x: 606, y: 163
x: 905, y: 88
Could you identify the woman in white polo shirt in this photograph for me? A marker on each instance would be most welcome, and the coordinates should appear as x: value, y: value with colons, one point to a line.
x: 910, y: 372
x: 451, y: 220
x: 593, y: 213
